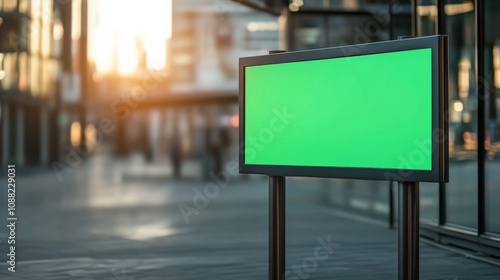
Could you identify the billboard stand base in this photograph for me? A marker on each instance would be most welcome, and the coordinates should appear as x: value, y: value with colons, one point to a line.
x: 408, y: 227
x: 277, y: 227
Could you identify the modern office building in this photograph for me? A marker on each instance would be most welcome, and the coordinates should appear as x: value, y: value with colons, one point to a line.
x: 197, y: 80
x: 30, y: 49
x: 461, y: 212
x: 41, y: 85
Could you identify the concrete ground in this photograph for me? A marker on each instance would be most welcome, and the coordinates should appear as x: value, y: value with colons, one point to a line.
x: 117, y: 219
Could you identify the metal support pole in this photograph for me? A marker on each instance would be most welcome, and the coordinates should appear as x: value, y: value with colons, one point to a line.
x: 276, y: 228
x: 5, y: 129
x: 20, y: 133
x: 481, y: 84
x: 391, y: 206
x: 276, y: 222
x: 84, y: 74
x: 44, y: 136
x: 441, y: 30
x: 391, y: 21
x: 408, y: 227
x: 414, y: 18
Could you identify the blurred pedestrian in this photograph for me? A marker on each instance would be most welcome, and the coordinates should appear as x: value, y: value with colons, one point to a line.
x: 175, y: 156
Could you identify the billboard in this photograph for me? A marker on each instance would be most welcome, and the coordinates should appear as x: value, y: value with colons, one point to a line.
x: 373, y: 111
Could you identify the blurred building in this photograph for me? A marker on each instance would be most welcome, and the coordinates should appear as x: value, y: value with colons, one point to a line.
x: 30, y: 49
x: 164, y: 73
x: 58, y: 81
x: 461, y: 212
x: 193, y: 95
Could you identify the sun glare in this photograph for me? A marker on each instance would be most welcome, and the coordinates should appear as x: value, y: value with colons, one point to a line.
x: 75, y: 133
x: 127, y: 30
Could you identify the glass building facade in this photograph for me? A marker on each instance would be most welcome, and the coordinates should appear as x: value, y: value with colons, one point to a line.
x: 30, y: 47
x: 39, y: 45
x: 461, y: 212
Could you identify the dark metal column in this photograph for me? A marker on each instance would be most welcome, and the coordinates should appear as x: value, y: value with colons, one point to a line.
x: 481, y: 84
x: 408, y: 227
x: 277, y: 222
x: 391, y: 205
x: 84, y: 74
x: 5, y: 132
x: 391, y: 22
x: 441, y: 17
x: 442, y: 30
x: 414, y: 18
x: 276, y: 228
x: 57, y: 131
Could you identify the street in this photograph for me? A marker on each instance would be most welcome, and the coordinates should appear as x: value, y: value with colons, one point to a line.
x: 122, y: 219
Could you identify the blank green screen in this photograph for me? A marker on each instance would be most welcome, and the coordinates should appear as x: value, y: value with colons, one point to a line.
x: 368, y: 111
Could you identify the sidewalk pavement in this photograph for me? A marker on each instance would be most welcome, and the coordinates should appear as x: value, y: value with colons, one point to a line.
x: 100, y: 224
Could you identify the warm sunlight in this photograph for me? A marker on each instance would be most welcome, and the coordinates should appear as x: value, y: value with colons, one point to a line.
x: 75, y: 133
x: 129, y: 31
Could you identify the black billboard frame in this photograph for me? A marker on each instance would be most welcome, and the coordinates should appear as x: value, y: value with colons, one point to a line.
x: 439, y: 171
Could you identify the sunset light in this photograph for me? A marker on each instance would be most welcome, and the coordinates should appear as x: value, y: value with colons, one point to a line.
x: 128, y: 30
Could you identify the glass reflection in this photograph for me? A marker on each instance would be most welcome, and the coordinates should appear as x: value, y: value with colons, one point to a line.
x: 429, y: 192
x: 492, y: 173
x: 461, y: 192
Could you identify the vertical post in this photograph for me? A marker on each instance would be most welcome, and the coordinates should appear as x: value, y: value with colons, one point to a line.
x: 481, y: 116
x: 326, y: 33
x: 276, y: 228
x: 408, y: 227
x: 44, y: 135
x: 441, y: 17
x: 58, y: 132
x: 284, y: 37
x: 414, y: 18
x: 391, y: 205
x: 20, y: 140
x: 289, y: 42
x: 6, y: 123
x: 277, y: 222
x: 441, y: 30
x: 391, y: 22
x: 84, y: 74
